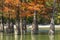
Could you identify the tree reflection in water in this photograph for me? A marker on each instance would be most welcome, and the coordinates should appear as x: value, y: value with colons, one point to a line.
x: 26, y: 37
x: 21, y: 37
x: 51, y: 37
x: 34, y: 37
x: 18, y: 37
x: 1, y: 37
x: 9, y: 37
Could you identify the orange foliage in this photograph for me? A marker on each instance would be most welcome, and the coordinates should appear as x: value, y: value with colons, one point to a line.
x: 31, y: 6
x: 6, y: 9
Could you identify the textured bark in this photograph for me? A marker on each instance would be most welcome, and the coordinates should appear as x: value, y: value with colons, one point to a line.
x: 52, y: 27
x: 2, y: 22
x: 2, y: 5
x: 35, y: 24
x: 18, y: 19
x: 24, y: 25
x: 18, y: 27
x: 8, y: 30
x: 12, y: 27
x: 21, y: 25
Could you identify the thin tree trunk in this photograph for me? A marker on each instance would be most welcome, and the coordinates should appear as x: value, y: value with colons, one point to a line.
x: 18, y: 19
x: 2, y: 14
x: 35, y: 24
x: 18, y: 27
x: 52, y: 26
x: 2, y: 22
x: 8, y: 30
x: 24, y: 25
x: 21, y: 25
x: 12, y: 27
x: 18, y: 24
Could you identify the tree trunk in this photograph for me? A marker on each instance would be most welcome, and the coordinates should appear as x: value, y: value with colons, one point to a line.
x: 2, y: 6
x: 18, y: 19
x: 8, y: 30
x: 52, y: 27
x: 18, y: 23
x: 24, y: 25
x: 35, y: 24
x: 18, y: 27
x: 21, y: 25
x: 12, y: 27
x: 2, y: 22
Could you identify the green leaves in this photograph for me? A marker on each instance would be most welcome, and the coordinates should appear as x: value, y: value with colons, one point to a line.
x: 48, y: 4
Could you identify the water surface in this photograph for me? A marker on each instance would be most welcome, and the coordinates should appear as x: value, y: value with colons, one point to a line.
x: 29, y: 37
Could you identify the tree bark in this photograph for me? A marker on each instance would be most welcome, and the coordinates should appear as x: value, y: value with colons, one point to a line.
x: 18, y: 19
x: 24, y: 25
x: 18, y: 27
x: 35, y: 24
x: 52, y: 27
x: 12, y: 27
x: 2, y: 22
x: 21, y: 25
x: 8, y: 30
x: 18, y: 24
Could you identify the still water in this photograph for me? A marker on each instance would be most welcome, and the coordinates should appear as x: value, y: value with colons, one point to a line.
x: 29, y: 37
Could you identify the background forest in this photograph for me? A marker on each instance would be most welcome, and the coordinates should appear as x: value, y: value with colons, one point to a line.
x: 14, y: 10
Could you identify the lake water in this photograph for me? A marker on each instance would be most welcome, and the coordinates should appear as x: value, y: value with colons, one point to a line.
x: 29, y: 37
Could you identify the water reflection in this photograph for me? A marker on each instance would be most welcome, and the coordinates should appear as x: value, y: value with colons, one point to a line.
x: 1, y: 37
x: 34, y: 37
x: 18, y: 37
x: 9, y: 37
x: 25, y: 37
x: 51, y: 37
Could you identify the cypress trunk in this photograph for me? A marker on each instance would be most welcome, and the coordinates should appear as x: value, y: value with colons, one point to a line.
x: 18, y: 27
x: 24, y: 25
x: 52, y: 27
x: 18, y: 19
x: 2, y: 22
x: 21, y: 25
x: 35, y: 24
x: 8, y: 30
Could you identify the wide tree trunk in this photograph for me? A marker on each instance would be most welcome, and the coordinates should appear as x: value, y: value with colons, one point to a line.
x: 8, y: 30
x: 18, y: 27
x: 35, y: 24
x: 52, y: 27
x: 10, y: 27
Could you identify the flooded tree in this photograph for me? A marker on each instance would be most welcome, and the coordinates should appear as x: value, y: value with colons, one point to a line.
x: 35, y: 24
x: 18, y: 19
x: 52, y: 25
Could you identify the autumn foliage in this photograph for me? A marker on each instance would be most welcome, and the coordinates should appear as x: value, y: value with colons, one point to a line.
x: 24, y: 8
